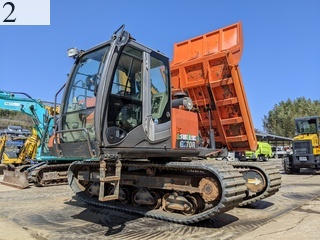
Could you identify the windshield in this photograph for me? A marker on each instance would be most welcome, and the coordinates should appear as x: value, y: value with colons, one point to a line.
x: 14, y: 143
x: 81, y: 98
x: 306, y: 126
x: 85, y: 79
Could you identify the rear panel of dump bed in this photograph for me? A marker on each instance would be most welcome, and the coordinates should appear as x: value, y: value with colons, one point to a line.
x: 207, y: 68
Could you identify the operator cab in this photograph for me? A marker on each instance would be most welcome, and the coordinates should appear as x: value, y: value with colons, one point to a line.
x: 117, y: 97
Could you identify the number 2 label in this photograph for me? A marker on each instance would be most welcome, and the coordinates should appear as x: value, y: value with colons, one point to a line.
x: 24, y: 12
x: 7, y: 19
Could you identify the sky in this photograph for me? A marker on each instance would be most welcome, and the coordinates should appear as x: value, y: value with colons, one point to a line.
x: 280, y: 59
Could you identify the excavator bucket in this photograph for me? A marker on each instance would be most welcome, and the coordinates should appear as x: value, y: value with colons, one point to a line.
x: 15, y: 178
x: 207, y: 69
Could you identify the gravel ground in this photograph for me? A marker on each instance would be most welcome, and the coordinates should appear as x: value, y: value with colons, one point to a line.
x: 55, y: 213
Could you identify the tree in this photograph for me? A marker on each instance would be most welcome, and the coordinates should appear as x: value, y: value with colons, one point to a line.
x: 280, y: 120
x: 8, y: 118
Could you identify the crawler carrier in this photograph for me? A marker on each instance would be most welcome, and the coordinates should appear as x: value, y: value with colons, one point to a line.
x: 148, y: 128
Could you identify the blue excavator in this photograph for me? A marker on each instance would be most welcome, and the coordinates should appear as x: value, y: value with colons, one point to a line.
x: 34, y: 161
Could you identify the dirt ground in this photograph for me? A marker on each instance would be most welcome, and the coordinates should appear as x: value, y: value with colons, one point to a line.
x: 55, y: 213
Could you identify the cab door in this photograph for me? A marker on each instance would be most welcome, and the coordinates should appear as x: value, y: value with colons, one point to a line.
x: 157, y: 117
x: 139, y: 98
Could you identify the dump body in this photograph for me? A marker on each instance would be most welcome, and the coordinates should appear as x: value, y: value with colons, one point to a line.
x: 207, y: 69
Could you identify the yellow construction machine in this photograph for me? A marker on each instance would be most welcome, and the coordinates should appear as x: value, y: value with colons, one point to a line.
x: 305, y: 145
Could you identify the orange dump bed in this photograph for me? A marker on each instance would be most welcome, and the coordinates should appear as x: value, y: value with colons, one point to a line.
x: 207, y: 68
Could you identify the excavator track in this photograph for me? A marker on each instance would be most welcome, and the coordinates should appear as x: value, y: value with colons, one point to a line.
x: 231, y: 187
x: 42, y: 176
x: 270, y: 175
x: 50, y: 175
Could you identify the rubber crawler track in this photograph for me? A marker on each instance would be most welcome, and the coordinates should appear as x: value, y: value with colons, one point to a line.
x: 38, y: 172
x: 233, y: 189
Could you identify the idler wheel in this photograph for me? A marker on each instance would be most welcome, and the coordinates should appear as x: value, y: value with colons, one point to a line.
x: 255, y: 180
x: 209, y: 189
